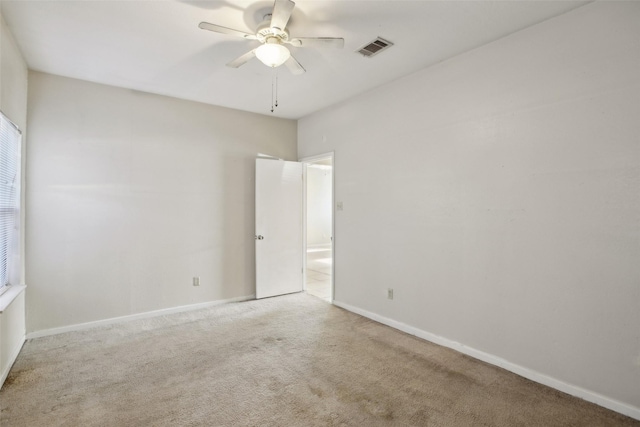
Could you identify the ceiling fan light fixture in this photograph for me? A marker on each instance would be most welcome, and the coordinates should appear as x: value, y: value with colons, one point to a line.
x: 272, y: 54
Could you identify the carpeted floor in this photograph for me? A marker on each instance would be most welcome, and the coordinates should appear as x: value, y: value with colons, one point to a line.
x: 287, y: 361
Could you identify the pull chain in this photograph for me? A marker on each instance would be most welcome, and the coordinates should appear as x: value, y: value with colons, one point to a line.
x: 273, y: 70
x: 274, y: 89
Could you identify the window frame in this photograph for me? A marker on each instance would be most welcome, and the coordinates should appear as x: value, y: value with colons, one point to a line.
x: 10, y: 202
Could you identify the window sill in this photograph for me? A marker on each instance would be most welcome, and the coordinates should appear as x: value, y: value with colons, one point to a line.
x: 9, y: 295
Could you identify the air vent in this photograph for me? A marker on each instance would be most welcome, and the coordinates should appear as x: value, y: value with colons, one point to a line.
x: 375, y: 47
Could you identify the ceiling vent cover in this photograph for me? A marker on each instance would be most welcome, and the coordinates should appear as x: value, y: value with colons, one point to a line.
x: 375, y: 47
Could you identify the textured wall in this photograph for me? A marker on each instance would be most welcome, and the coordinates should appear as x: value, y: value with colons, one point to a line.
x: 131, y: 195
x: 499, y: 194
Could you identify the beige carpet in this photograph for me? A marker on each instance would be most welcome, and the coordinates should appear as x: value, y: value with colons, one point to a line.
x: 286, y: 361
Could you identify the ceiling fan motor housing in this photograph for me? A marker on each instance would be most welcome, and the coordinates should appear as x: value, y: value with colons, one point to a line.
x: 266, y: 31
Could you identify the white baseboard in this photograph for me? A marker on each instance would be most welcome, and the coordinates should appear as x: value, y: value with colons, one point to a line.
x: 12, y: 360
x: 590, y: 396
x: 145, y: 315
x: 323, y: 246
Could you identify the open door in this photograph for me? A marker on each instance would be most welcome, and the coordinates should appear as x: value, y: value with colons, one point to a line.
x: 318, y: 217
x: 279, y: 256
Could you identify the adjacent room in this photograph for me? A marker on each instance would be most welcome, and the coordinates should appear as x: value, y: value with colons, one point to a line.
x: 319, y: 221
x: 314, y: 213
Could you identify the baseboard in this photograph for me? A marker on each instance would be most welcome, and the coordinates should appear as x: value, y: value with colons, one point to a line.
x: 12, y: 360
x: 145, y: 315
x: 320, y: 246
x: 590, y: 396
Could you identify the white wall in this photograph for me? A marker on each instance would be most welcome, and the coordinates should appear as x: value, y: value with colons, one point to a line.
x: 499, y: 194
x: 319, y: 183
x: 131, y: 195
x: 13, y: 103
x: 13, y: 78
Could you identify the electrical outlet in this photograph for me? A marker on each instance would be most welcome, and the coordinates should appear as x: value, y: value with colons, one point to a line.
x: 196, y: 281
x: 390, y: 293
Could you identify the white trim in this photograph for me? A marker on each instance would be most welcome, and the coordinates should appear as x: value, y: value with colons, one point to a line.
x: 304, y: 225
x: 323, y: 156
x: 590, y: 396
x: 145, y: 315
x: 9, y: 294
x: 11, y: 361
x: 320, y: 246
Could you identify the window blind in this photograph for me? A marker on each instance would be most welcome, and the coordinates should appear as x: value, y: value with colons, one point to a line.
x: 10, y: 153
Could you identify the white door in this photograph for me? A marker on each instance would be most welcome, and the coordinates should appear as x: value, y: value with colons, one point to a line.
x: 278, y: 227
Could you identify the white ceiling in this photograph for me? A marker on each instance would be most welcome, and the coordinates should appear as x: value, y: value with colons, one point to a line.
x: 156, y: 46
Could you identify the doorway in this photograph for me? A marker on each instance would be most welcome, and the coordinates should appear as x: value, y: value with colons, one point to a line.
x: 319, y: 226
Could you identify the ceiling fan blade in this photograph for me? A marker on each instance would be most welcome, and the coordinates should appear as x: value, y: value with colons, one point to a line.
x: 294, y: 66
x: 242, y: 59
x: 334, y: 42
x: 281, y: 13
x: 224, y: 30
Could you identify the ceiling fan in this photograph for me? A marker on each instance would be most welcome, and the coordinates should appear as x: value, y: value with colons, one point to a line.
x: 273, y: 35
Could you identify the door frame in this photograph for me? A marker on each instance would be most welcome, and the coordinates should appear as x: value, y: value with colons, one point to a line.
x: 306, y: 161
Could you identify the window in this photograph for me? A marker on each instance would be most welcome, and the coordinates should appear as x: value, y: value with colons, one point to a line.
x: 10, y: 151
